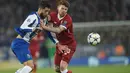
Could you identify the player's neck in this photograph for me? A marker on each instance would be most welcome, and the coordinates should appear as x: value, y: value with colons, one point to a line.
x: 60, y: 17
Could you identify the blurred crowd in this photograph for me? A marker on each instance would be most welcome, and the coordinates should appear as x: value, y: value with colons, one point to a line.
x: 13, y: 12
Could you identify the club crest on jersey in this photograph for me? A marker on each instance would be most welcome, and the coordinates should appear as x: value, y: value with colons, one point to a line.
x: 64, y: 23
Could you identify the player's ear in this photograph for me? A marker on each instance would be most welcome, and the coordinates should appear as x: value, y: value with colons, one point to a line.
x: 39, y: 9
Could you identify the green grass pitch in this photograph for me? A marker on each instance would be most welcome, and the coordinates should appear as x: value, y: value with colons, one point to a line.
x: 82, y: 69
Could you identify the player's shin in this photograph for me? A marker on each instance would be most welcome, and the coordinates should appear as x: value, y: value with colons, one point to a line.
x: 63, y: 67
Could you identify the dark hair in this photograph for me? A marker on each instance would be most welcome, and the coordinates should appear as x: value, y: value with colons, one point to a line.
x: 43, y: 4
x: 63, y: 2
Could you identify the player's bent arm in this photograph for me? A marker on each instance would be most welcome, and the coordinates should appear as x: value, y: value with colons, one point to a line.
x: 54, y: 29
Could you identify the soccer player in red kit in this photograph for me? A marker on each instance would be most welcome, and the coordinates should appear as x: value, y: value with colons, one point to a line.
x: 63, y: 27
x: 34, y: 49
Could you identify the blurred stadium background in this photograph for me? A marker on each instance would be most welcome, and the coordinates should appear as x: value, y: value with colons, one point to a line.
x: 109, y: 18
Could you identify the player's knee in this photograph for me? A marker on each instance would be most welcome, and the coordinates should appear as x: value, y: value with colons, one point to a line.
x: 25, y: 63
x: 30, y: 63
x: 57, y: 69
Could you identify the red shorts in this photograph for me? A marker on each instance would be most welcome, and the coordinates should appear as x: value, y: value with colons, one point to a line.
x: 62, y: 56
x: 34, y: 52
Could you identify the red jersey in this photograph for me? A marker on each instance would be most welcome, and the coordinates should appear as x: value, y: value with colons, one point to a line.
x: 66, y: 37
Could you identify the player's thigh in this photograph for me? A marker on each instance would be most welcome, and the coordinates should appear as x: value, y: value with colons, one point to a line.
x: 66, y: 58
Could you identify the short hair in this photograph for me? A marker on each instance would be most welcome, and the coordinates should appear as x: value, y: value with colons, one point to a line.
x: 63, y: 2
x: 43, y: 4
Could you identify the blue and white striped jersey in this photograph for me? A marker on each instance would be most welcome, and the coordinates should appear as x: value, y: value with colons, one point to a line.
x: 25, y: 30
x: 31, y: 22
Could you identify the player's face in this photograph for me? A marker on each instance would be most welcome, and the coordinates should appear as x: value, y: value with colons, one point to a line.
x: 44, y: 12
x: 62, y: 10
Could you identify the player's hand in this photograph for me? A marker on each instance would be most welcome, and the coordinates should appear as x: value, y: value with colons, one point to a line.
x: 67, y: 51
x: 61, y: 48
x: 42, y: 23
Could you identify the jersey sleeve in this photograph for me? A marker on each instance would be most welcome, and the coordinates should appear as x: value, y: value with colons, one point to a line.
x: 66, y: 23
x: 27, y: 24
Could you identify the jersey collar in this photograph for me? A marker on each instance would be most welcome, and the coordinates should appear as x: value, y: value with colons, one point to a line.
x: 60, y: 18
x: 37, y: 15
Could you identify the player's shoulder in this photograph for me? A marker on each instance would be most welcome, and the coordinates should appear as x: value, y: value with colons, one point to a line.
x: 32, y: 16
x: 68, y: 17
x: 53, y: 13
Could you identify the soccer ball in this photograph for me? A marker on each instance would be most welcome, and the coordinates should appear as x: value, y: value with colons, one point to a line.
x: 94, y: 39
